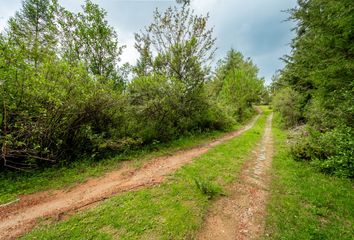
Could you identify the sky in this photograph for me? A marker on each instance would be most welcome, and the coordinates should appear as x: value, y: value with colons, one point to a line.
x: 257, y: 28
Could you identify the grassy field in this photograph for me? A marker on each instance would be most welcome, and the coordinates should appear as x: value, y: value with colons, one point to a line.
x: 172, y: 210
x: 304, y: 203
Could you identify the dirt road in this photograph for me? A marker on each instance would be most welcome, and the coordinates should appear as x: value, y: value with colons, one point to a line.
x: 240, y: 214
x: 18, y: 218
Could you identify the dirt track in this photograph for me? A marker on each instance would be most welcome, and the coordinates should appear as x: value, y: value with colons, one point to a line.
x: 18, y: 218
x: 240, y: 215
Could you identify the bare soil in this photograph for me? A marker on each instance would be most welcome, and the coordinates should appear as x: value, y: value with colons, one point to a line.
x: 20, y: 217
x: 240, y: 214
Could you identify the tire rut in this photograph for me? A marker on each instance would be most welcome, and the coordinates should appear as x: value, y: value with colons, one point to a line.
x: 240, y: 215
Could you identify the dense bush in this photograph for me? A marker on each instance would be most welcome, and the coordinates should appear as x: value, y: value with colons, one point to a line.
x: 159, y: 110
x: 332, y: 151
x: 60, y: 112
x: 55, y: 106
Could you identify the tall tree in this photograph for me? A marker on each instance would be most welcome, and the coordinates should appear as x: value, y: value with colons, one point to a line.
x: 98, y: 42
x: 33, y: 30
x: 236, y: 84
x: 176, y: 50
x: 69, y: 42
x: 177, y: 44
x: 321, y: 66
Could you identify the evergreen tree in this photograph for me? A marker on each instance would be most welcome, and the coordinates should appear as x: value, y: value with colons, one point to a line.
x: 319, y: 75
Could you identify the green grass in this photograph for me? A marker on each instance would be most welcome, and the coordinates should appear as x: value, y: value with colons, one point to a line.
x: 172, y: 210
x: 304, y: 203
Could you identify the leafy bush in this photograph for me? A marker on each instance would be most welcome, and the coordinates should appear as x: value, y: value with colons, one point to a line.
x: 160, y: 110
x: 331, y: 151
x: 60, y: 113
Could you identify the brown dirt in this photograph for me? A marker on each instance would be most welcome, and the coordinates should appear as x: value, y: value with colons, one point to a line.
x: 20, y: 217
x: 240, y: 214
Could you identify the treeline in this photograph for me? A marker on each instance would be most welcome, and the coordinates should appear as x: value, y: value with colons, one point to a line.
x: 317, y: 85
x: 63, y: 96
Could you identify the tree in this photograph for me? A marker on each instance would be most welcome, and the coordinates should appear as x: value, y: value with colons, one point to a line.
x: 88, y: 38
x: 33, y: 30
x: 57, y: 100
x: 177, y: 44
x: 321, y: 65
x: 175, y: 54
x: 236, y: 85
x: 100, y: 42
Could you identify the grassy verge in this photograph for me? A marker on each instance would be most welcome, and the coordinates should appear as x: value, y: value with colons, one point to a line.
x: 172, y: 210
x: 15, y: 183
x: 304, y: 203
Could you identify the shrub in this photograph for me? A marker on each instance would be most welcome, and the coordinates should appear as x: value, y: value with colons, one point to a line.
x: 160, y: 109
x: 61, y: 113
x: 208, y: 188
x: 331, y: 151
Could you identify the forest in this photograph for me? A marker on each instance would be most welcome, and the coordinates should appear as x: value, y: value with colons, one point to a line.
x: 181, y: 144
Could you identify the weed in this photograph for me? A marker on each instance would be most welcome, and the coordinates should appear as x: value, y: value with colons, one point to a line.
x: 208, y: 188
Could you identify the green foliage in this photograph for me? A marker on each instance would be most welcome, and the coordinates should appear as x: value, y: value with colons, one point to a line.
x: 63, y: 97
x: 288, y: 103
x: 159, y: 110
x: 236, y: 86
x: 154, y: 102
x: 208, y: 188
x: 58, y: 113
x: 337, y: 159
x: 177, y: 44
x: 32, y: 31
x: 320, y: 73
x: 54, y: 109
x: 169, y: 92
